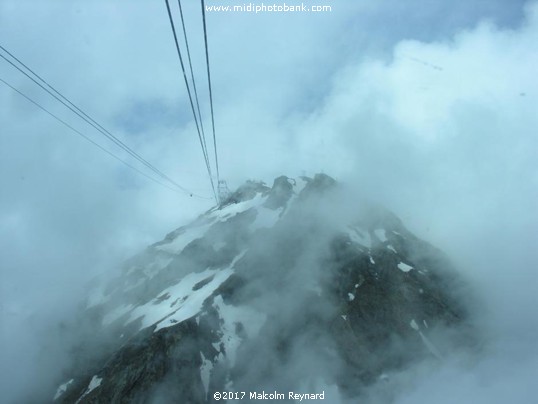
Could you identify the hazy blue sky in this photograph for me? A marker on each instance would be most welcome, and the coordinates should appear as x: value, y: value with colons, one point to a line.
x: 427, y: 106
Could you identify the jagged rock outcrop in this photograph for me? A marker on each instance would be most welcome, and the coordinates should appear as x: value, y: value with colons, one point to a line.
x: 289, y: 288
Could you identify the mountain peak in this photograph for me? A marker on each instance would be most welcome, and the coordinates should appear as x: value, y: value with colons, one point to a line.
x: 277, y: 288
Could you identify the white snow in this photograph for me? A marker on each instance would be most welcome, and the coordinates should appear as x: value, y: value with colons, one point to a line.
x: 344, y: 317
x: 94, y: 383
x: 205, y: 371
x: 414, y: 325
x: 358, y: 236
x: 251, y: 320
x: 404, y: 267
x: 390, y: 247
x: 372, y: 260
x: 179, y: 294
x: 62, y: 389
x: 194, y: 301
x: 381, y: 235
x: 182, y: 302
x: 425, y: 323
x: 351, y: 297
x: 265, y: 218
x: 235, y: 208
x: 182, y: 240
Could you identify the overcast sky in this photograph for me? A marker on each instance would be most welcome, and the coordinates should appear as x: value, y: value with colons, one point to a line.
x: 427, y: 106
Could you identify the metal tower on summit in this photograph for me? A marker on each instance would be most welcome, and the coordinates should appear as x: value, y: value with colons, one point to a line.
x: 223, y: 191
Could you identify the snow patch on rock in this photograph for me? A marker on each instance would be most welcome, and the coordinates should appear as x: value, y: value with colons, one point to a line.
x: 235, y: 318
x: 404, y: 267
x: 205, y: 372
x: 94, y: 383
x: 62, y: 388
x: 233, y: 209
x: 359, y: 236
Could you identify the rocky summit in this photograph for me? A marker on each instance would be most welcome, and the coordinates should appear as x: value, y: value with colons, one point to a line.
x: 285, y: 292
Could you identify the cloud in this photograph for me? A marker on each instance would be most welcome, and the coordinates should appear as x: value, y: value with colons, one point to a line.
x: 429, y: 109
x: 443, y: 134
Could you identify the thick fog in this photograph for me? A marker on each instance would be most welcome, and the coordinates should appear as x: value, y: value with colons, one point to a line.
x: 427, y: 107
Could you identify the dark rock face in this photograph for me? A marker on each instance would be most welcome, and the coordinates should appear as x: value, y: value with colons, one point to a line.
x: 280, y: 193
x: 168, y: 358
x: 280, y: 289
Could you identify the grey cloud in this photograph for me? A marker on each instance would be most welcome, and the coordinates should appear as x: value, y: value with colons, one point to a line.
x: 452, y: 152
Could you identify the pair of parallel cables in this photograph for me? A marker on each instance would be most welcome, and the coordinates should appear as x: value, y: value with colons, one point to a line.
x: 58, y: 96
x: 196, y: 111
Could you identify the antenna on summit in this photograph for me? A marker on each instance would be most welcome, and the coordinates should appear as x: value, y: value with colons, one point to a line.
x: 223, y: 191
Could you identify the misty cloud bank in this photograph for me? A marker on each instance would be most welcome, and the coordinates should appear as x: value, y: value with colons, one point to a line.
x: 439, y: 129
x: 312, y: 281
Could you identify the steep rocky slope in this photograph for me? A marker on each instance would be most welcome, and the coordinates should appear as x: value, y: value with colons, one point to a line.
x: 295, y: 287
